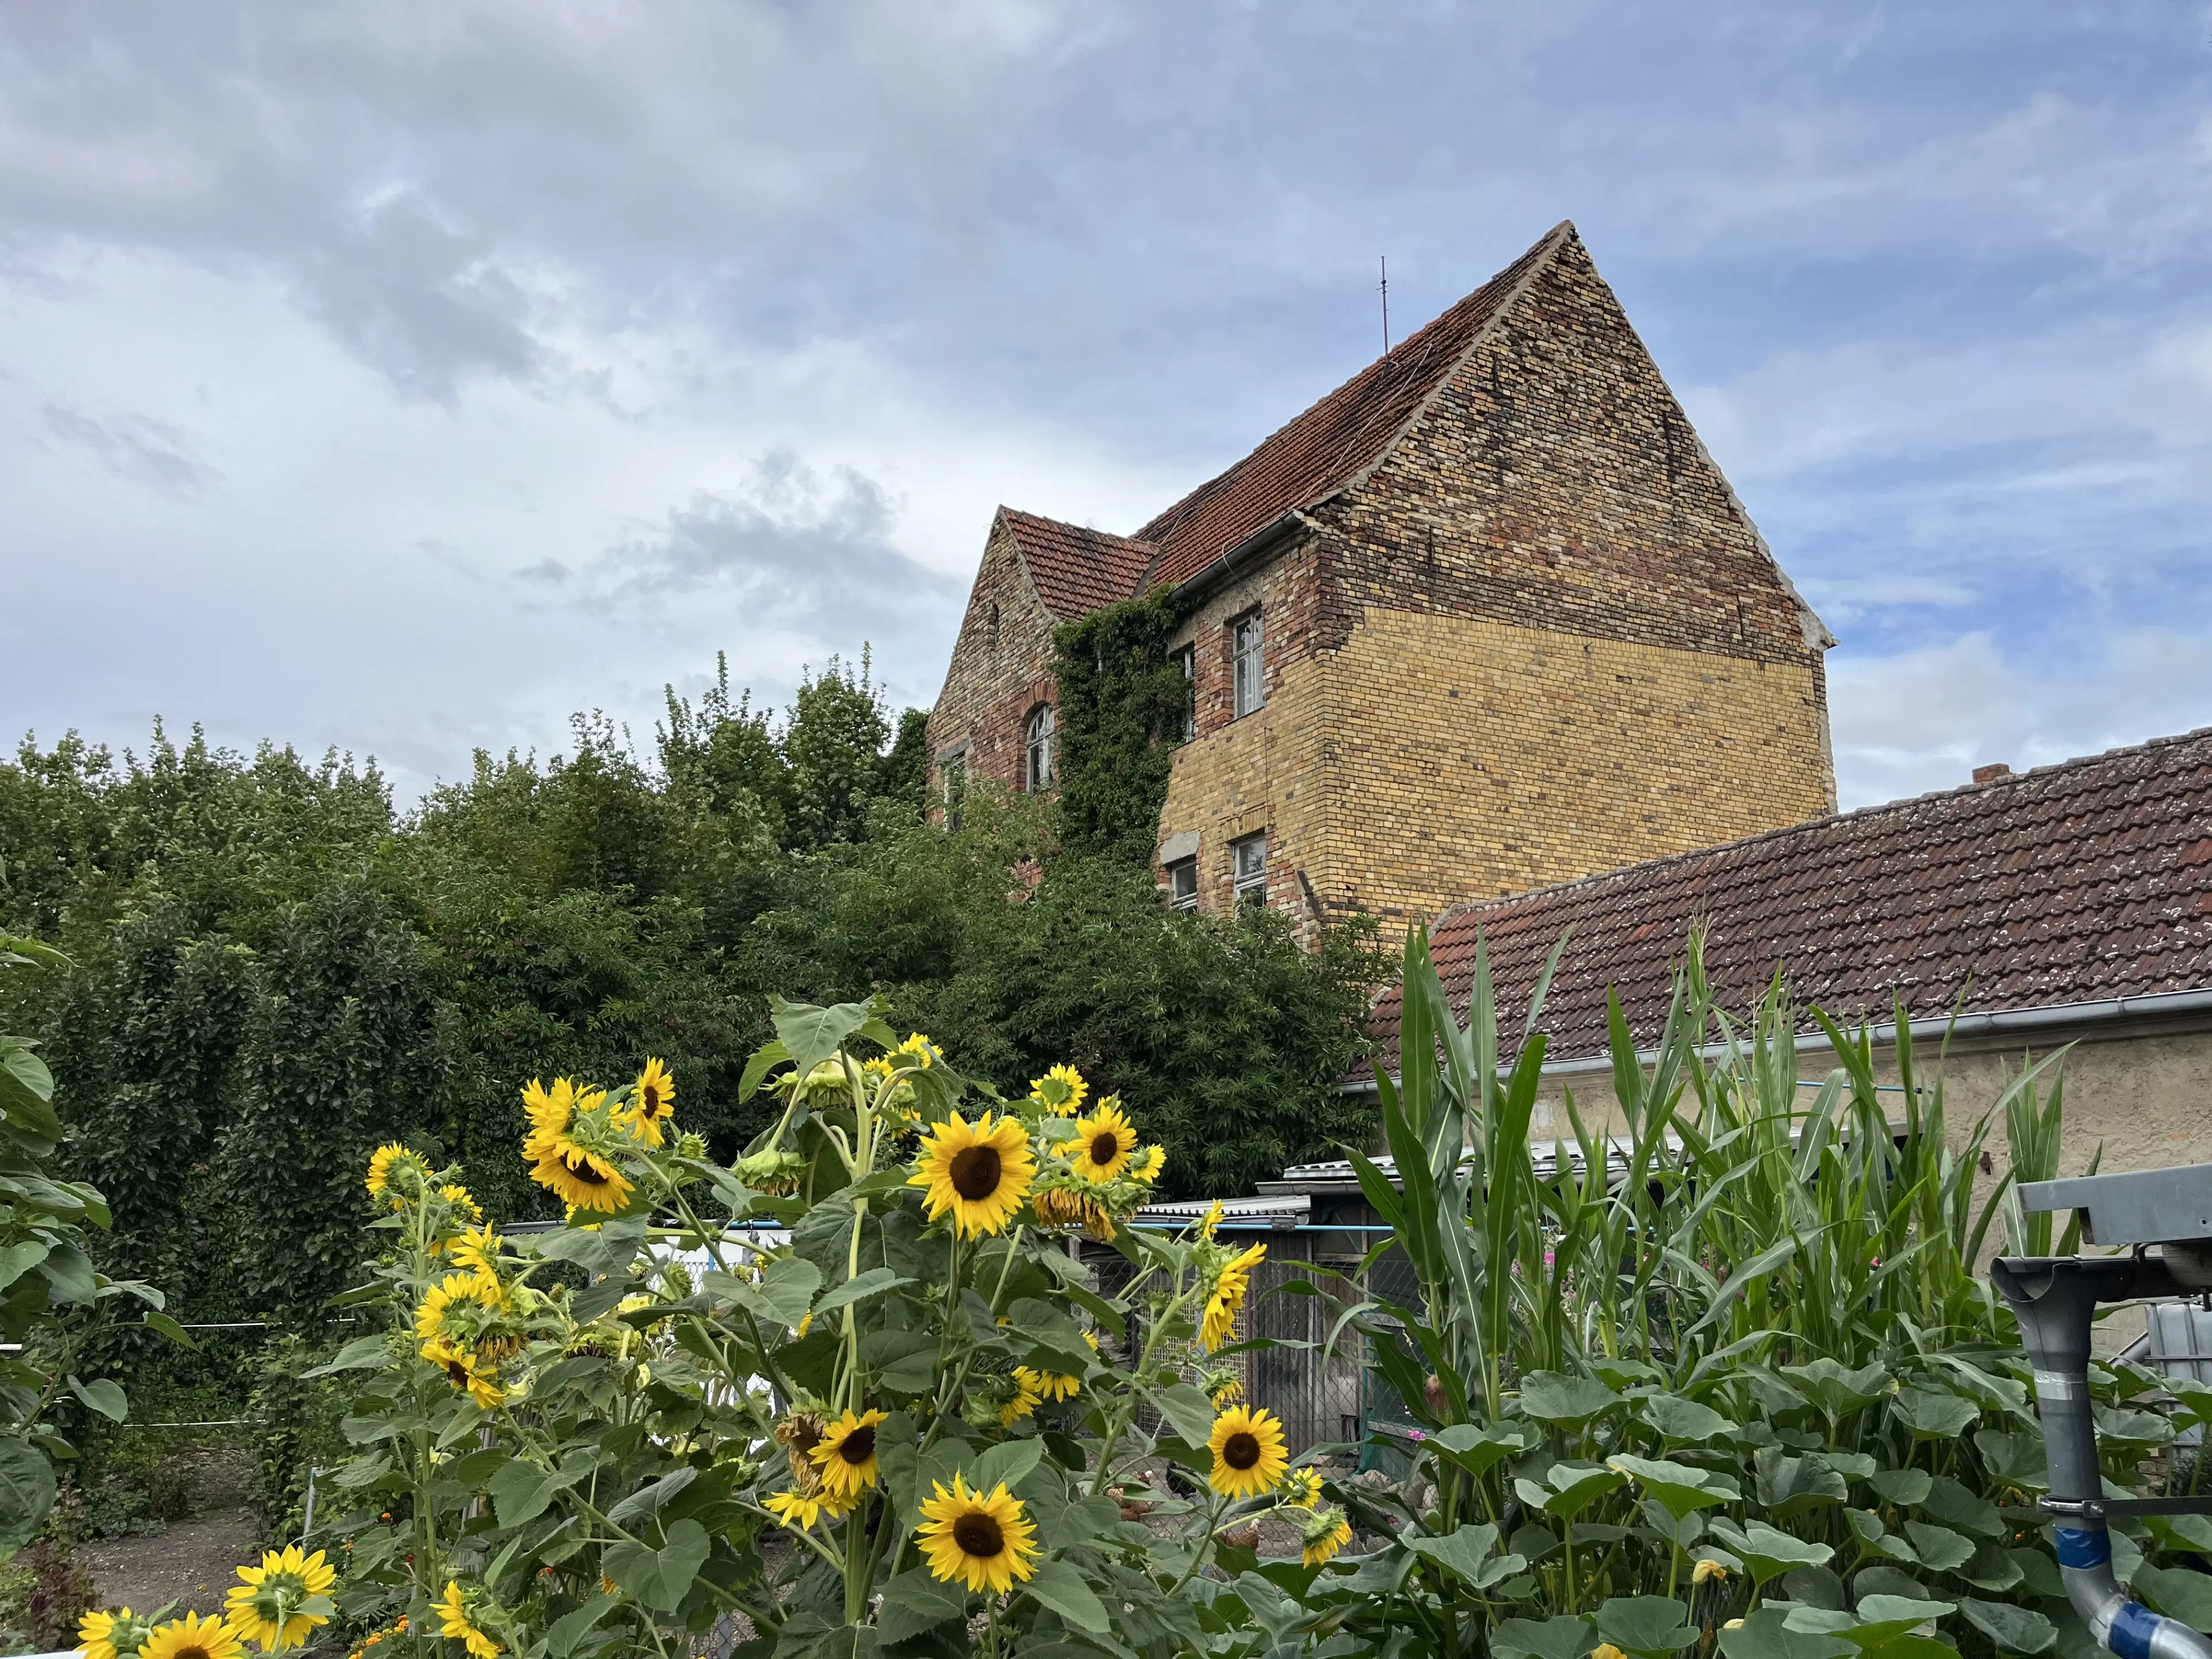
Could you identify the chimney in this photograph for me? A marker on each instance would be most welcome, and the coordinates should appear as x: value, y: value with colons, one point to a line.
x: 1992, y: 772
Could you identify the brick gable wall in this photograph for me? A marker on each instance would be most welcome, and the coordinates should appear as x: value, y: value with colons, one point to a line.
x: 993, y: 681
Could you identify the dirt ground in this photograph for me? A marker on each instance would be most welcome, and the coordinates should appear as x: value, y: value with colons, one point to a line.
x: 193, y: 1562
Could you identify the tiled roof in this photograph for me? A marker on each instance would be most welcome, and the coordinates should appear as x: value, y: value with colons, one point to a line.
x: 2082, y: 882
x: 1343, y: 434
x: 1077, y: 569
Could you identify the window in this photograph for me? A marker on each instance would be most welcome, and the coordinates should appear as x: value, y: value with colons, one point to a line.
x: 955, y: 768
x: 1187, y: 659
x: 1249, y: 869
x: 1183, y: 883
x: 1247, y: 664
x: 1037, y: 738
x: 994, y: 624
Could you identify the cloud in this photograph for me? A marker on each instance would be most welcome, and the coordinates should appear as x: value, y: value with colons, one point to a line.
x: 150, y: 452
x: 794, y: 548
x: 1924, y: 720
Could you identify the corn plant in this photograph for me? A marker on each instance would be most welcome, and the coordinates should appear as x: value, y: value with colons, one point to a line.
x: 1729, y: 1379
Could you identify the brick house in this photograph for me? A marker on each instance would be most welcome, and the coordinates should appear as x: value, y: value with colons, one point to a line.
x: 1484, y: 618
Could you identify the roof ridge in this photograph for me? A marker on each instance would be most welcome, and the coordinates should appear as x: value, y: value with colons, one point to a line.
x: 1548, y: 245
x: 1469, y: 907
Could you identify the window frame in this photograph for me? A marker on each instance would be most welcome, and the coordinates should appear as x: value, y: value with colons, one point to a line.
x: 1187, y: 659
x: 1038, y: 738
x: 952, y: 783
x: 1247, y: 885
x: 1177, y: 873
x: 1248, y: 663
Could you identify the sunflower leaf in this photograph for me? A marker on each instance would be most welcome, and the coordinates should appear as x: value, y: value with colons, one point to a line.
x: 812, y: 1035
x: 1188, y: 1412
x: 874, y: 1282
x: 915, y: 1602
x: 1057, y: 1585
x: 1009, y: 1461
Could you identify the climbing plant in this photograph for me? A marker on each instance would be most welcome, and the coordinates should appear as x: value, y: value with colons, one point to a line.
x: 1123, y: 703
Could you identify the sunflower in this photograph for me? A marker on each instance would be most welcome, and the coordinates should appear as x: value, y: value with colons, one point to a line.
x: 652, y: 1101
x: 431, y: 1316
x: 1146, y: 1165
x: 550, y: 1111
x: 463, y: 1200
x: 846, y: 1454
x: 580, y: 1177
x: 1228, y: 1299
x: 1102, y: 1144
x: 1247, y: 1452
x: 263, y: 1605
x: 1223, y: 1389
x: 1210, y: 1221
x: 1058, y: 1207
x: 1323, y: 1536
x: 108, y: 1635
x: 1060, y: 1091
x: 801, y: 1509
x: 386, y: 1162
x: 987, y: 1543
x: 192, y: 1637
x: 477, y: 1251
x: 1048, y: 1385
x: 979, y: 1172
x: 1301, y: 1489
x: 798, y: 1434
x: 465, y: 1370
x: 1023, y: 1400
x: 455, y: 1621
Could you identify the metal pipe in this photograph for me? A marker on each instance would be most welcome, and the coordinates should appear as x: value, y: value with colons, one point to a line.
x: 2054, y: 1300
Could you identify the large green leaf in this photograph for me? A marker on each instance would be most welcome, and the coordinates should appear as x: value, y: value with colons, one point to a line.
x: 27, y: 1493
x: 2178, y: 1592
x: 1683, y: 1489
x: 1767, y: 1552
x: 1789, y: 1486
x: 1650, y: 1625
x: 1567, y: 1489
x: 810, y: 1034
x: 1475, y: 1449
x: 1835, y: 1389
x: 1564, y: 1637
x: 1932, y: 1415
x: 874, y: 1282
x: 1568, y: 1402
x: 1057, y: 1585
x: 660, y: 1578
x: 915, y: 1602
x: 1677, y: 1419
x: 2014, y: 1630
x: 1470, y: 1551
x: 1938, y: 1547
x: 1764, y: 1635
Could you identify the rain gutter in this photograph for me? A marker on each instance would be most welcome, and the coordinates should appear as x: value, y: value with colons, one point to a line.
x: 2005, y: 1022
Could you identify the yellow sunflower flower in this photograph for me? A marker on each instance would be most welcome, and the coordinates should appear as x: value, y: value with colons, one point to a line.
x: 978, y: 1173
x: 1247, y: 1452
x: 799, y: 1509
x: 1060, y: 1091
x: 477, y: 1251
x: 432, y: 1322
x: 1025, y: 1401
x: 552, y: 1111
x: 1301, y: 1489
x: 846, y: 1454
x: 384, y: 1162
x: 192, y: 1637
x: 1048, y: 1385
x: 454, y: 1620
x: 984, y: 1542
x: 463, y: 1201
x: 111, y: 1635
x: 580, y: 1177
x: 284, y: 1579
x: 1102, y: 1144
x: 651, y: 1104
x: 1147, y: 1166
x: 1228, y: 1299
x: 1327, y: 1533
x: 1210, y: 1221
x: 1057, y: 1207
x: 465, y: 1370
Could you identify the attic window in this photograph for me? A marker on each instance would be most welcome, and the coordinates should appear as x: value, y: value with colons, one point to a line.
x: 1248, y: 663
x: 1036, y: 742
x: 1187, y: 660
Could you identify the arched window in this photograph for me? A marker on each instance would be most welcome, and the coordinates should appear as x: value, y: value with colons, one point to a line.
x: 1036, y: 739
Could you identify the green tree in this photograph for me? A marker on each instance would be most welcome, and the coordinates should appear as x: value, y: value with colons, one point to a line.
x: 1123, y: 704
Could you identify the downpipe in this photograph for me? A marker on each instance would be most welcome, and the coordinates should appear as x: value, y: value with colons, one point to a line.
x: 2054, y: 1300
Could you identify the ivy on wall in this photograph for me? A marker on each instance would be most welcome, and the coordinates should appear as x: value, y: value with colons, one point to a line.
x: 1122, y: 702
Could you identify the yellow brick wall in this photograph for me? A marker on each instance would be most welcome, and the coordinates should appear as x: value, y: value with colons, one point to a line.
x: 1473, y: 758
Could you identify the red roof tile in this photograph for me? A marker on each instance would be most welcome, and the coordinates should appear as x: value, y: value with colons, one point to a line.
x: 1077, y: 569
x: 2077, y: 883
x: 1339, y: 436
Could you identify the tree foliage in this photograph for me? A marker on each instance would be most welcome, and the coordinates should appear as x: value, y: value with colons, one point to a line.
x: 275, y: 970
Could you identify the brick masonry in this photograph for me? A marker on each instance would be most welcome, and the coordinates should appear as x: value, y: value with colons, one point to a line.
x: 1528, y: 635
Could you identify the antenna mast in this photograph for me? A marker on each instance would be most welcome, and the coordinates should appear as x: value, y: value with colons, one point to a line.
x: 1386, y: 304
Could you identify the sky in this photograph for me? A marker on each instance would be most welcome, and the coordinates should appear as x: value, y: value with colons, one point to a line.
x: 401, y: 379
